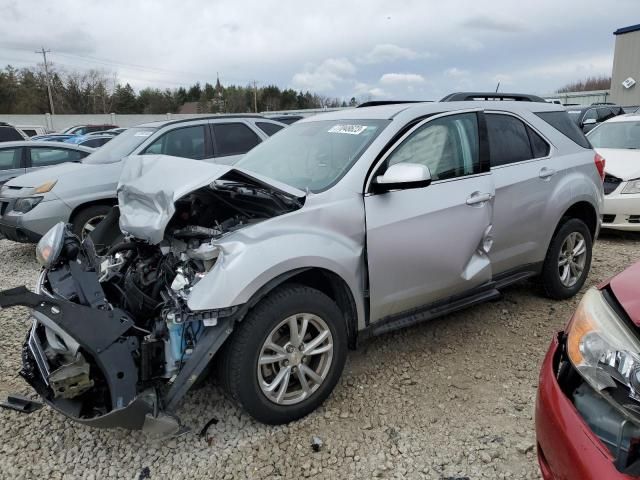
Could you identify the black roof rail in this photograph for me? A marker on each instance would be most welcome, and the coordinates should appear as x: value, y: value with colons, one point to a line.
x: 377, y: 103
x: 604, y: 103
x: 515, y: 97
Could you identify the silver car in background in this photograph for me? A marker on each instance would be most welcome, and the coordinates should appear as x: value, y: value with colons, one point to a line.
x: 83, y: 193
x: 341, y: 226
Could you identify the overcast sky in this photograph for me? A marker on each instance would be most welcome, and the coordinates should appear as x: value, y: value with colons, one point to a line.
x: 379, y: 49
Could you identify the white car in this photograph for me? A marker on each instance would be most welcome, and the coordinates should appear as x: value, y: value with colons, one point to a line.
x: 618, y: 141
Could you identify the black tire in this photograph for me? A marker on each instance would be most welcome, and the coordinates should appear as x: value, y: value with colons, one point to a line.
x: 551, y: 282
x: 84, y: 215
x: 237, y: 370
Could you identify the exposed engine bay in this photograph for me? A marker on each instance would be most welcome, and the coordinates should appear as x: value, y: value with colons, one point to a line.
x: 114, y: 325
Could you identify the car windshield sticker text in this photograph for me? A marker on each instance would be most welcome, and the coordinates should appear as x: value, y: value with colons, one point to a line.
x: 349, y: 129
x: 143, y: 134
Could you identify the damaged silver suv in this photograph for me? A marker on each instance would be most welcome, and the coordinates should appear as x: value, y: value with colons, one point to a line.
x: 342, y: 226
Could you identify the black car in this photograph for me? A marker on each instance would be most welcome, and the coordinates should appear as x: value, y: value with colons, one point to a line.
x: 9, y: 133
x: 588, y: 117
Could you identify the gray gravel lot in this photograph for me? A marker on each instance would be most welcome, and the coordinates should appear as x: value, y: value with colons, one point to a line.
x: 450, y: 399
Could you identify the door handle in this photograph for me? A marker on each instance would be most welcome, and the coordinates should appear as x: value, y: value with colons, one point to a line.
x: 546, y: 172
x: 477, y: 198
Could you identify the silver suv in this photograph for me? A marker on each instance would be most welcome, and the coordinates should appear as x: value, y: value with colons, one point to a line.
x: 342, y: 226
x: 82, y: 193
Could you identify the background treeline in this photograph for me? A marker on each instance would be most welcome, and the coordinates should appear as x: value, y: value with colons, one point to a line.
x: 24, y: 91
x: 588, y: 84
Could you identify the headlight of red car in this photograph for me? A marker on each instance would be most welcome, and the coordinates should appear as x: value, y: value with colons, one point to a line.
x: 602, y: 348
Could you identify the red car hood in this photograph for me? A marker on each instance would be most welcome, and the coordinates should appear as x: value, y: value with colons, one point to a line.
x: 626, y: 288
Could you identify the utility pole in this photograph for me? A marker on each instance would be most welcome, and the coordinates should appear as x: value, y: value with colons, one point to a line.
x: 255, y: 96
x: 46, y: 73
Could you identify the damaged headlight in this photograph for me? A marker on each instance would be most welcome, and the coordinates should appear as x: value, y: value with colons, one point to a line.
x: 602, y: 348
x: 50, y: 245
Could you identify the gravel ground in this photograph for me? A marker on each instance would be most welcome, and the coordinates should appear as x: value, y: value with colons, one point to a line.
x: 450, y: 399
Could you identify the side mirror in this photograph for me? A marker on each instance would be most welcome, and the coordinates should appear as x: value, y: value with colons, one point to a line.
x: 402, y: 176
x: 589, y: 121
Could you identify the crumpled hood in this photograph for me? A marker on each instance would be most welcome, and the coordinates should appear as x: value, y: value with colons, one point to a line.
x: 150, y: 185
x: 623, y: 163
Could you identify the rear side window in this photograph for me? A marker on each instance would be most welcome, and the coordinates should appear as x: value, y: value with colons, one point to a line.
x: 188, y: 142
x: 10, y: 158
x: 508, y: 140
x: 561, y: 122
x: 47, y: 156
x: 269, y: 128
x: 539, y: 146
x: 29, y: 132
x: 233, y: 139
x: 9, y: 134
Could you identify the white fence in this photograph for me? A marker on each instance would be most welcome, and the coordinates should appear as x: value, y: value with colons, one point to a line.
x: 580, y: 98
x: 57, y: 123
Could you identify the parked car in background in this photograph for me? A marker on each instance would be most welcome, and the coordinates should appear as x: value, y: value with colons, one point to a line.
x: 32, y: 130
x: 52, y: 137
x: 618, y: 141
x: 286, y: 119
x: 587, y: 118
x: 9, y: 133
x: 88, y: 140
x: 113, y: 132
x: 588, y: 407
x: 344, y: 225
x: 83, y: 129
x: 18, y: 158
x: 630, y: 108
x: 83, y: 193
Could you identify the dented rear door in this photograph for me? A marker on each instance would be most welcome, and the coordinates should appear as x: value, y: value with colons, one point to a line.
x: 427, y: 244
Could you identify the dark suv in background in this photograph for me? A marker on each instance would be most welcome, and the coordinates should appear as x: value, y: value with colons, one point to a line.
x: 589, y: 117
x: 9, y: 133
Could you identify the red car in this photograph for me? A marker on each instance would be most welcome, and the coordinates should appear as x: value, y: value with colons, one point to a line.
x: 588, y: 405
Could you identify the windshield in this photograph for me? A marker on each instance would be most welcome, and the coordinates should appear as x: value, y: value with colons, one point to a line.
x: 121, y: 146
x: 574, y: 115
x: 616, y: 135
x: 312, y: 155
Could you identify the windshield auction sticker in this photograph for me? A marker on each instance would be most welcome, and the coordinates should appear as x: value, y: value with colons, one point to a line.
x: 348, y: 129
x: 143, y: 134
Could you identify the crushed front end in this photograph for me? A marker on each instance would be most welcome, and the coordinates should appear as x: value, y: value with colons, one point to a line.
x: 113, y: 343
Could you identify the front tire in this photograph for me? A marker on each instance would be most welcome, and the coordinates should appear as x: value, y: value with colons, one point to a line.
x: 568, y: 260
x: 87, y: 219
x: 286, y: 356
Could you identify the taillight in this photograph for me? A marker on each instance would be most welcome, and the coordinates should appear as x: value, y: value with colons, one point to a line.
x: 599, y: 165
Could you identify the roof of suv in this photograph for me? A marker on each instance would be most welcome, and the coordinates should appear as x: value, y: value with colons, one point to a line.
x: 163, y: 123
x: 387, y: 112
x: 629, y: 117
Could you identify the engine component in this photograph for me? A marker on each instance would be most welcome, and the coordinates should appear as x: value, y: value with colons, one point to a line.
x: 72, y: 379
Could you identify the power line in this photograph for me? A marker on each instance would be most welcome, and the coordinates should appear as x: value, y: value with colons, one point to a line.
x: 46, y: 72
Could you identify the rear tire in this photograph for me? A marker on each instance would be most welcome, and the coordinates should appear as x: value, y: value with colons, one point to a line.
x: 308, y: 371
x: 87, y: 218
x: 568, y: 260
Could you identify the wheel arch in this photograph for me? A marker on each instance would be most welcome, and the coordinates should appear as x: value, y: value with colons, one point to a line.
x: 110, y: 202
x: 582, y: 210
x: 323, y: 280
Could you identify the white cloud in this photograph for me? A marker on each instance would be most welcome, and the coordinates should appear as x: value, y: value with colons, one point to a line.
x: 401, y: 78
x: 388, y: 52
x: 324, y: 77
x: 456, y: 72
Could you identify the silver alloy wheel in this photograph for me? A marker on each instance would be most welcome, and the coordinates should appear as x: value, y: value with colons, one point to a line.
x: 295, y: 359
x: 90, y: 225
x: 572, y: 259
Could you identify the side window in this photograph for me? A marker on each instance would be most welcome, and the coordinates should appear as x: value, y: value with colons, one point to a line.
x: 539, y: 146
x: 95, y: 142
x: 46, y: 156
x: 269, y: 128
x: 188, y: 142
x: 8, y: 134
x: 447, y: 145
x: 10, y: 158
x: 233, y: 139
x: 508, y: 140
x: 590, y: 115
x: 605, y: 114
x: 29, y: 132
